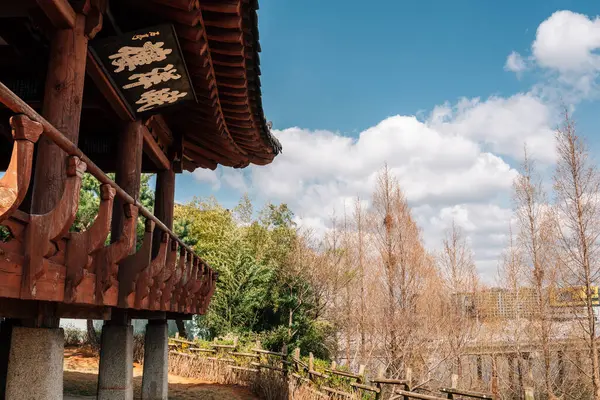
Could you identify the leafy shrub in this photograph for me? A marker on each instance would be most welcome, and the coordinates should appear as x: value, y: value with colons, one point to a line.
x: 73, y: 336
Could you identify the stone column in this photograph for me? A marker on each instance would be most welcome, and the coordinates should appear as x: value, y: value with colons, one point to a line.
x: 5, y: 335
x: 35, y: 366
x: 156, y: 361
x: 115, y: 375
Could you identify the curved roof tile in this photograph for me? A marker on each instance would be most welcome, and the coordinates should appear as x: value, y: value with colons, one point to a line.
x: 219, y: 40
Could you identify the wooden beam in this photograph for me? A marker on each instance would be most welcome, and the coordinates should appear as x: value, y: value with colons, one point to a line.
x: 60, y: 13
x: 153, y: 150
x: 108, y: 91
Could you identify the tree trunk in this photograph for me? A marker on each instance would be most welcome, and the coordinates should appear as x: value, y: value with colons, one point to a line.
x: 181, y: 328
x: 92, y: 338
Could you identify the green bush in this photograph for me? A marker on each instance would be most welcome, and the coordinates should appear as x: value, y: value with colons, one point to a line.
x: 73, y: 336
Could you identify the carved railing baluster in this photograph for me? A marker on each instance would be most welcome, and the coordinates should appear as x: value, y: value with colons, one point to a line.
x: 105, y: 263
x: 186, y: 300
x: 130, y: 268
x: 211, y: 289
x: 146, y: 277
x: 204, y: 290
x: 160, y: 282
x: 80, y: 245
x: 180, y: 285
x: 193, y: 296
x: 171, y: 284
x: 42, y: 230
x: 16, y: 179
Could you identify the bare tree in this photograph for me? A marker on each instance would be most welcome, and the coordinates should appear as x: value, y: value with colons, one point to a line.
x: 360, y: 247
x: 406, y: 268
x: 536, y: 240
x: 577, y: 189
x: 512, y: 274
x: 460, y: 279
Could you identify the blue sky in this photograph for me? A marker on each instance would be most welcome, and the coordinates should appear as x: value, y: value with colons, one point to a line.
x: 431, y: 88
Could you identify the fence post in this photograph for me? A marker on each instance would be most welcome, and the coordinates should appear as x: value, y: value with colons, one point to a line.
x: 311, y: 362
x: 529, y: 393
x: 361, y: 372
x: 454, y: 384
x: 408, y: 377
x: 380, y: 374
x: 284, y: 360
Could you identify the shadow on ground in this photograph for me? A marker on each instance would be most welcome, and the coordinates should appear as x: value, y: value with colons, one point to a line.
x: 81, y: 380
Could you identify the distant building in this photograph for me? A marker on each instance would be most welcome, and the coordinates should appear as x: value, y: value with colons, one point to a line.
x: 497, y: 303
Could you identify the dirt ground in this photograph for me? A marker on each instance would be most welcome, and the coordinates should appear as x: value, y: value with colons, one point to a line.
x: 81, y: 377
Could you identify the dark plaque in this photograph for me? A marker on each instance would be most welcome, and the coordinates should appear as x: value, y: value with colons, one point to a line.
x: 146, y: 67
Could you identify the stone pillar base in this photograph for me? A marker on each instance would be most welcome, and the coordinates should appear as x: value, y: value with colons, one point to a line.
x: 35, y: 366
x: 155, y: 383
x: 115, y: 376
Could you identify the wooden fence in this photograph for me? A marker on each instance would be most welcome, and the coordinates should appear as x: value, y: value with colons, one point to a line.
x: 320, y: 382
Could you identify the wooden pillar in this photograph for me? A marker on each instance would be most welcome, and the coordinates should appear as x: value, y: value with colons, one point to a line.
x: 63, y: 98
x: 164, y: 201
x: 128, y: 172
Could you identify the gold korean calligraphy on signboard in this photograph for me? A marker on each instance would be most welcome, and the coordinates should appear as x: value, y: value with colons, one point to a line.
x: 146, y: 67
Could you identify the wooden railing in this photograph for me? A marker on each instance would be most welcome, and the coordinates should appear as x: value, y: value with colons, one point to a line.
x: 42, y: 260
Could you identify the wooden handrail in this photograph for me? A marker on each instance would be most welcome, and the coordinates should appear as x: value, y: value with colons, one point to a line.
x: 466, y: 393
x: 412, y: 395
x: 17, y: 105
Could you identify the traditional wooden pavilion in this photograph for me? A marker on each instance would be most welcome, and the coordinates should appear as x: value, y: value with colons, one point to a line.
x: 123, y: 86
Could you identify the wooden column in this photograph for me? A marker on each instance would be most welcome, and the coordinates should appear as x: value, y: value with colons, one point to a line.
x: 63, y: 98
x: 164, y: 201
x: 128, y: 172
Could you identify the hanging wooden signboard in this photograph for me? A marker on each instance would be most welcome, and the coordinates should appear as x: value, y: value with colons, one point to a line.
x: 146, y: 67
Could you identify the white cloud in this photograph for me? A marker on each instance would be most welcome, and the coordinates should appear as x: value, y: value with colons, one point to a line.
x: 450, y: 165
x: 203, y: 175
x: 567, y: 42
x: 503, y: 125
x: 515, y: 63
x: 566, y: 47
x: 235, y: 179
